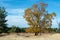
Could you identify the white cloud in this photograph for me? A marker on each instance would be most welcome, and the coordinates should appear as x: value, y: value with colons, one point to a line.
x: 16, y: 17
x: 55, y: 22
x: 16, y: 20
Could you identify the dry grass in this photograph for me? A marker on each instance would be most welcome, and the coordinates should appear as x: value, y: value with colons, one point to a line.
x: 30, y: 36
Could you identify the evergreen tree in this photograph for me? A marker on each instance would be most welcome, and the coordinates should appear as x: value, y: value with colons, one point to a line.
x: 3, y: 21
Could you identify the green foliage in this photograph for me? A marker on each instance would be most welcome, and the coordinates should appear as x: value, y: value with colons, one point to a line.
x: 54, y: 29
x: 13, y: 29
x: 18, y: 30
x: 22, y: 29
x: 59, y: 25
x: 58, y: 30
x: 3, y: 14
x: 0, y: 31
x: 50, y: 30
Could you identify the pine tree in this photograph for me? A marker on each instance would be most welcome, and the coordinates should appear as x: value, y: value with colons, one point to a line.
x: 3, y: 21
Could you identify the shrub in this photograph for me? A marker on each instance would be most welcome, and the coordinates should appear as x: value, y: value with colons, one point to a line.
x: 58, y: 30
x: 13, y: 29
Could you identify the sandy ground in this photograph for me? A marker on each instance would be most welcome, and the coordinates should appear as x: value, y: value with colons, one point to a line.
x: 28, y: 36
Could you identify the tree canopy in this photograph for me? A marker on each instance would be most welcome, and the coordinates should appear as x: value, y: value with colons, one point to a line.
x: 37, y: 16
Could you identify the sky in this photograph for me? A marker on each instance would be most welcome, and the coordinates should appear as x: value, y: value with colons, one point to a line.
x: 15, y: 9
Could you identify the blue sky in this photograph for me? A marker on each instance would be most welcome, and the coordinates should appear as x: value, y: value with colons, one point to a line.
x: 15, y: 9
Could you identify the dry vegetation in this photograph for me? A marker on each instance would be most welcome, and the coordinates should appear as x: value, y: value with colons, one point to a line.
x: 30, y: 36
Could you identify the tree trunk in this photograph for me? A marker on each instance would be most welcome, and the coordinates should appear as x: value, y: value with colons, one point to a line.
x: 36, y: 34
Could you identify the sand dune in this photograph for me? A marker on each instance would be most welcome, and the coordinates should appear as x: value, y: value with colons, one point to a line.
x: 25, y: 36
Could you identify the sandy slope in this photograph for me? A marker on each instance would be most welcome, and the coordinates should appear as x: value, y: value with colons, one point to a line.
x: 31, y: 37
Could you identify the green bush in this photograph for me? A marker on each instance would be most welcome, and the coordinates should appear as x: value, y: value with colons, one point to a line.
x: 18, y: 30
x: 58, y: 30
x: 13, y: 29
